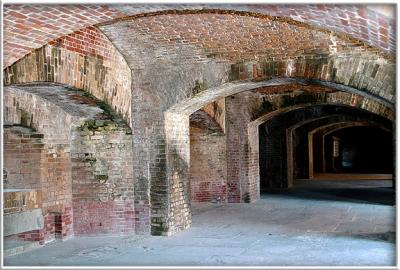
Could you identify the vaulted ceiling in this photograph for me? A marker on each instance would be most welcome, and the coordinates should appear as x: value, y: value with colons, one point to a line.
x: 30, y: 26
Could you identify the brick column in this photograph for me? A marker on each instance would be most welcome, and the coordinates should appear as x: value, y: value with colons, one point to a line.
x: 237, y: 150
x: 145, y: 126
x: 253, y: 163
x: 178, y: 161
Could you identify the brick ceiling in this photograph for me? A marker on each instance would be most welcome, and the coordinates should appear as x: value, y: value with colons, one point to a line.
x: 213, y: 35
x: 31, y: 26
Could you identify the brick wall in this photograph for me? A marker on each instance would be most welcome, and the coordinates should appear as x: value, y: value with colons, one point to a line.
x: 102, y: 178
x: 31, y: 110
x: 207, y: 166
x: 22, y: 157
x: 86, y: 175
x: 57, y: 226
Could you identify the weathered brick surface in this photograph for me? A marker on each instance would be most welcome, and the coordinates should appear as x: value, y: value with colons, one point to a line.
x: 208, y: 153
x: 18, y: 201
x: 86, y: 162
x: 171, y: 72
x: 207, y: 165
x: 237, y: 149
x: 368, y: 72
x: 93, y: 217
x: 102, y: 178
x: 23, y: 106
x: 151, y: 96
x: 178, y: 217
x: 250, y: 38
x: 32, y: 26
x: 85, y: 59
x: 22, y: 157
x: 57, y: 226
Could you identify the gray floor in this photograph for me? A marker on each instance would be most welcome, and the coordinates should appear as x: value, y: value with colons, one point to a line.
x: 330, y: 223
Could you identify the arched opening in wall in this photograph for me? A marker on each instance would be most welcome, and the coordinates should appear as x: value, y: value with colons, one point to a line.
x: 208, y: 154
x: 248, y: 105
x: 286, y: 148
x: 278, y: 159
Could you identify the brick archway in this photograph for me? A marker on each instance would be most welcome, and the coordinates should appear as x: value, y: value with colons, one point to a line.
x: 177, y: 142
x: 155, y: 78
x: 304, y: 169
x: 253, y: 169
x: 329, y: 128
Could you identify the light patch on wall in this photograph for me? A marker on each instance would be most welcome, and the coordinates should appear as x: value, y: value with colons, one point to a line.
x: 385, y: 9
x: 333, y: 46
x: 290, y: 68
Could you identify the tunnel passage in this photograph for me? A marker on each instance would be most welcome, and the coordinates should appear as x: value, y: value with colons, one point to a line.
x: 273, y: 140
x: 305, y: 151
x: 360, y: 150
x: 142, y: 66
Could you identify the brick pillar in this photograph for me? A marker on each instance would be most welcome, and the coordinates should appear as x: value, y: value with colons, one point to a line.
x: 253, y: 163
x: 237, y: 150
x: 178, y: 164
x: 149, y: 163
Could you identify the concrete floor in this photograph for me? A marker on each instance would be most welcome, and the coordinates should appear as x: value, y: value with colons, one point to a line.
x: 328, y: 223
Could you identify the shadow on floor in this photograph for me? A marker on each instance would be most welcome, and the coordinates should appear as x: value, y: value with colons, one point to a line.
x: 389, y: 237
x: 365, y: 195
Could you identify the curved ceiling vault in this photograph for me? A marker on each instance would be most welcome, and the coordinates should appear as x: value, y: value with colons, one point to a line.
x: 30, y: 26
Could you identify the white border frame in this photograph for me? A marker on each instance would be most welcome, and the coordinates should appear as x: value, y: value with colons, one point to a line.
x: 397, y: 169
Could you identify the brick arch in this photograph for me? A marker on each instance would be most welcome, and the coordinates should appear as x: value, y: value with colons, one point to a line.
x: 334, y: 127
x: 274, y: 85
x: 85, y: 60
x: 253, y: 133
x: 323, y: 132
x: 169, y: 78
x: 177, y: 140
x: 46, y: 22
